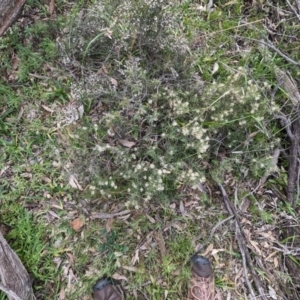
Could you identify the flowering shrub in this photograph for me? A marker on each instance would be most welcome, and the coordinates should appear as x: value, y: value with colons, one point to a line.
x: 160, y: 125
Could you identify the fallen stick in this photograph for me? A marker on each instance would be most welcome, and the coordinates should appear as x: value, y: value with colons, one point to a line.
x: 240, y: 236
x: 15, y: 280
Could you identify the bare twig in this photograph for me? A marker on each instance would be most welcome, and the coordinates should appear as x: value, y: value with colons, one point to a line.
x: 242, y: 244
x: 13, y: 274
x: 212, y: 233
x: 292, y: 126
x: 293, y: 161
x: 244, y: 261
x: 286, y: 124
x: 271, y: 46
x: 293, y: 9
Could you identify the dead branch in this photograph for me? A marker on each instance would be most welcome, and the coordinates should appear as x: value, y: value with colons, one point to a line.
x: 292, y: 127
x: 241, y: 239
x: 9, y: 292
x: 10, y: 11
x: 293, y: 161
x: 294, y: 9
x: 14, y: 277
x: 271, y: 46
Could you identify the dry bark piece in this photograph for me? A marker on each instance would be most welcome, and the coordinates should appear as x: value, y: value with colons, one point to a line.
x: 10, y: 11
x: 14, y: 277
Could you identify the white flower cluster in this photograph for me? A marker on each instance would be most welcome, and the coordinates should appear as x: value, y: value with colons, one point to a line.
x: 237, y: 100
x: 179, y: 107
x: 190, y: 176
x: 195, y: 130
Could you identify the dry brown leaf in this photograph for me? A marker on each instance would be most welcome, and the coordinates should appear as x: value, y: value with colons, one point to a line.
x: 71, y: 258
x: 173, y: 205
x: 51, y: 7
x: 134, y: 292
x: 118, y: 276
x: 216, y: 251
x: 238, y: 276
x: 245, y: 205
x: 152, y: 220
x: 48, y: 109
x: 272, y: 293
x: 77, y: 224
x: 255, y: 245
x: 208, y: 249
x: 275, y: 262
x: 102, y: 71
x: 46, y: 179
x: 113, y: 81
x: 108, y: 216
x: 53, y: 214
x: 126, y: 143
x: 132, y: 269
x: 181, y: 208
x: 73, y: 182
x: 124, y: 217
x: 268, y: 235
x: 108, y: 224
x: 161, y: 243
x: 136, y: 257
x: 62, y: 294
x: 271, y: 255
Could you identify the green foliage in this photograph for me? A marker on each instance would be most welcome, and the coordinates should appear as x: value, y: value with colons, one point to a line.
x: 110, y: 246
x: 160, y: 121
x: 174, y: 95
x: 27, y: 238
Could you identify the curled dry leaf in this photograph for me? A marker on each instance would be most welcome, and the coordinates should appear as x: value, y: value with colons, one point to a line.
x: 77, y: 224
